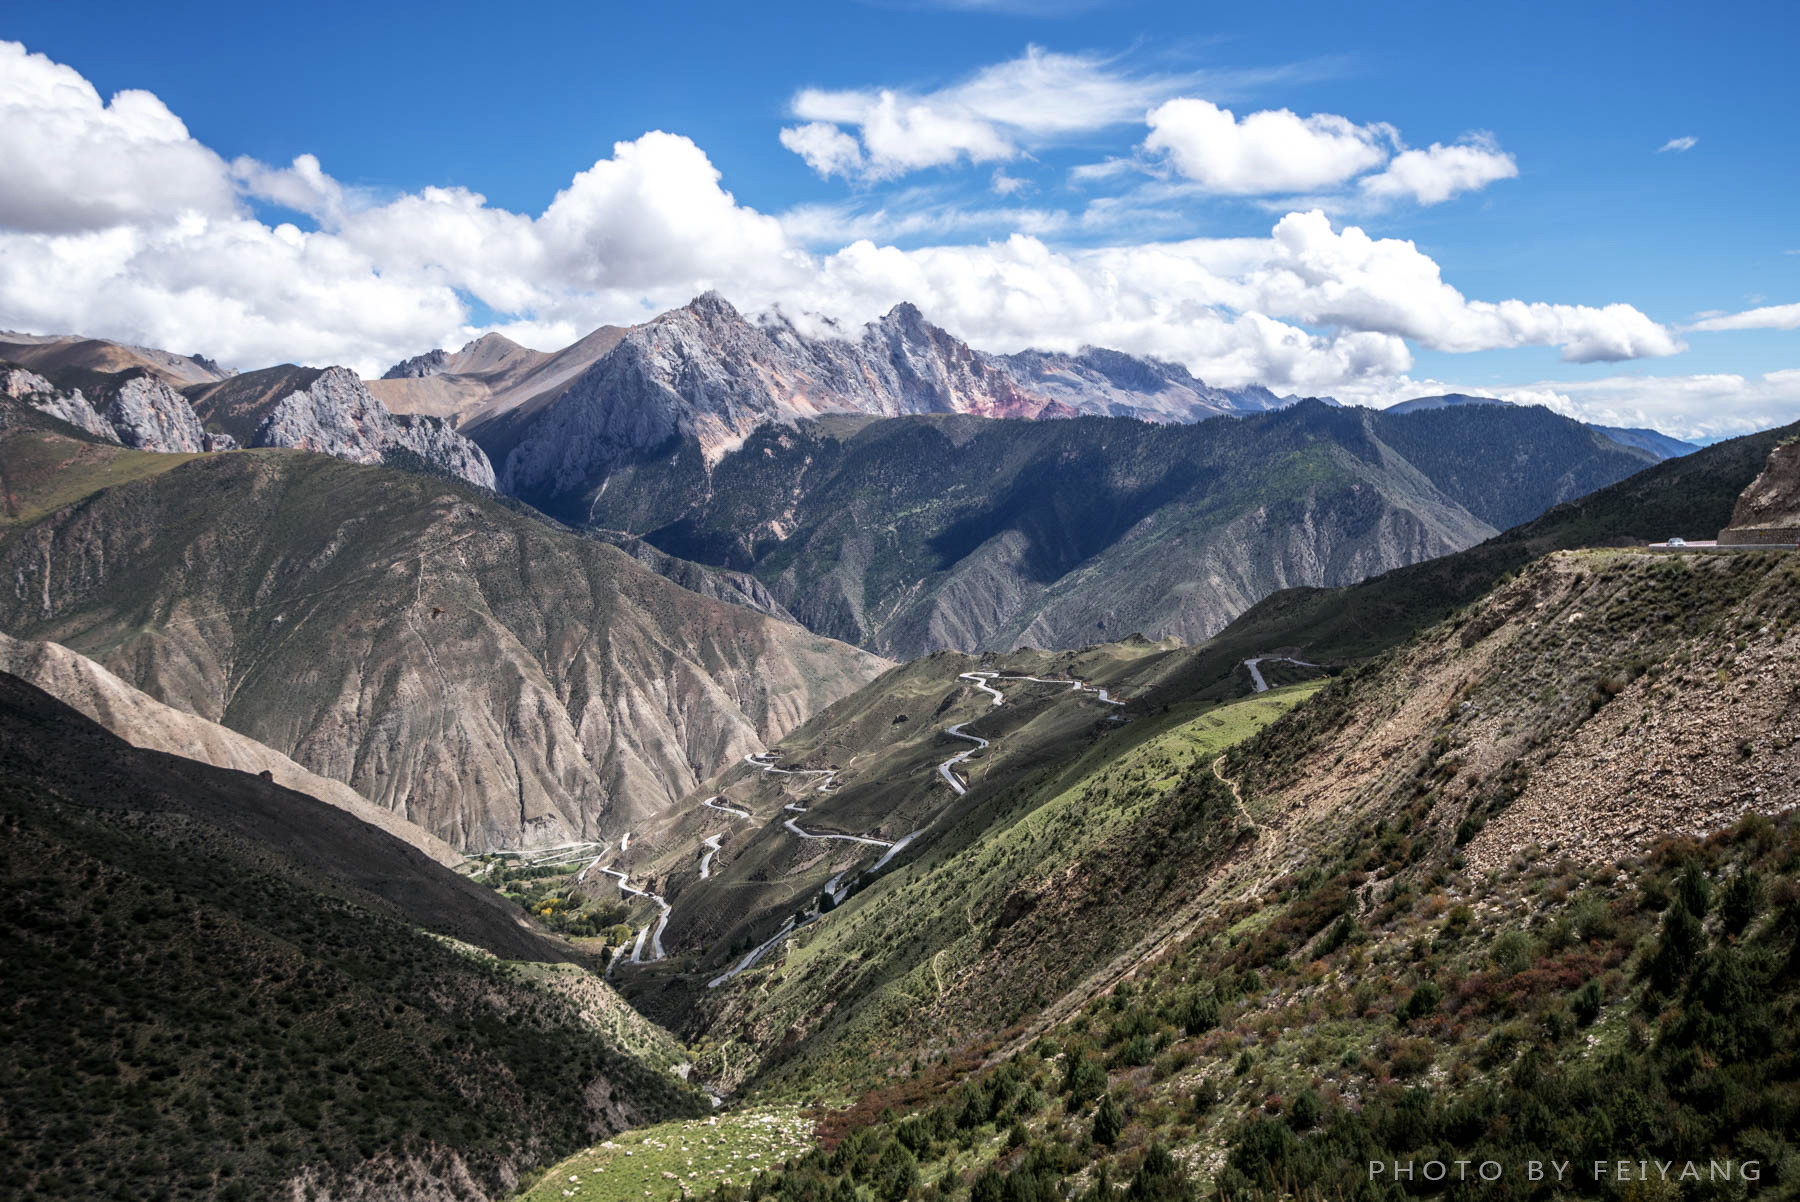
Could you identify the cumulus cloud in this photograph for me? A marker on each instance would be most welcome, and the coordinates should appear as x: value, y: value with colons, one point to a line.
x: 73, y: 162
x: 1265, y: 152
x: 993, y: 116
x: 1679, y: 145
x: 1768, y: 317
x: 1308, y: 308
x: 1330, y: 160
x: 303, y: 187
x: 1432, y: 176
x: 1322, y: 276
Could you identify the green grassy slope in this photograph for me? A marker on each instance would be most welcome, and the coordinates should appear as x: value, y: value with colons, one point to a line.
x: 215, y: 989
x: 992, y: 914
x: 46, y: 464
x: 1498, y: 899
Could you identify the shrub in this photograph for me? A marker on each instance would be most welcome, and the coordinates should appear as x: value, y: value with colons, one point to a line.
x: 1083, y: 1080
x: 1587, y: 1003
x: 1159, y: 1178
x: 1693, y: 890
x: 1109, y: 1122
x: 1678, y: 945
x: 1742, y: 901
x: 1513, y: 952
x: 1592, y: 920
x: 1422, y: 1001
x: 1197, y: 1013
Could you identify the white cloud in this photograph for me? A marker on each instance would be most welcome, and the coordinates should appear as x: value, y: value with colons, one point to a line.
x: 1709, y: 406
x: 993, y: 116
x: 1308, y: 308
x: 1005, y: 185
x: 303, y: 187
x: 1768, y: 317
x: 1266, y: 152
x: 70, y: 161
x: 1679, y: 145
x: 1319, y: 276
x: 827, y: 149
x: 1432, y: 176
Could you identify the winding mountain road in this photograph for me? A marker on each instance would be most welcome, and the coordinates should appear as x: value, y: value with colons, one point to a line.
x: 947, y: 769
x: 719, y: 804
x: 767, y: 760
x: 711, y: 844
x: 653, y: 932
x: 1256, y: 677
x: 794, y: 827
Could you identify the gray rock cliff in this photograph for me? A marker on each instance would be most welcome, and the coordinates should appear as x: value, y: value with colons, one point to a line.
x: 335, y: 415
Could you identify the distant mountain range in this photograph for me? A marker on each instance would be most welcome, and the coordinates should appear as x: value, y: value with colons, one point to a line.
x: 149, y: 405
x: 745, y: 445
x: 1655, y: 441
x: 908, y: 535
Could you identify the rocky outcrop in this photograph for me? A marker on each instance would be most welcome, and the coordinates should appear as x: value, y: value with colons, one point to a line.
x: 335, y: 415
x: 704, y: 372
x: 45, y: 397
x: 1768, y: 512
x: 151, y: 416
x: 419, y: 366
x: 142, y: 412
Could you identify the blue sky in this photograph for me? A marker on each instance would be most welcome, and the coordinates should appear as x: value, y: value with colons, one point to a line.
x: 1562, y: 111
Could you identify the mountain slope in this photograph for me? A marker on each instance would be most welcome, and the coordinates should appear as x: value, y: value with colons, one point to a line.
x: 55, y: 354
x: 1658, y: 444
x: 489, y: 377
x: 1576, y: 707
x: 1693, y: 496
x: 219, y: 988
x: 1602, y: 974
x: 142, y: 721
x: 913, y: 534
x: 1579, y: 703
x: 1661, y: 445
x: 491, y: 678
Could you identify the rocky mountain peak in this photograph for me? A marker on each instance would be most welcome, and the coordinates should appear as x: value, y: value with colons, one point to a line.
x: 70, y: 406
x: 705, y: 372
x: 419, y: 366
x: 151, y: 416
x: 710, y: 308
x: 905, y: 315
